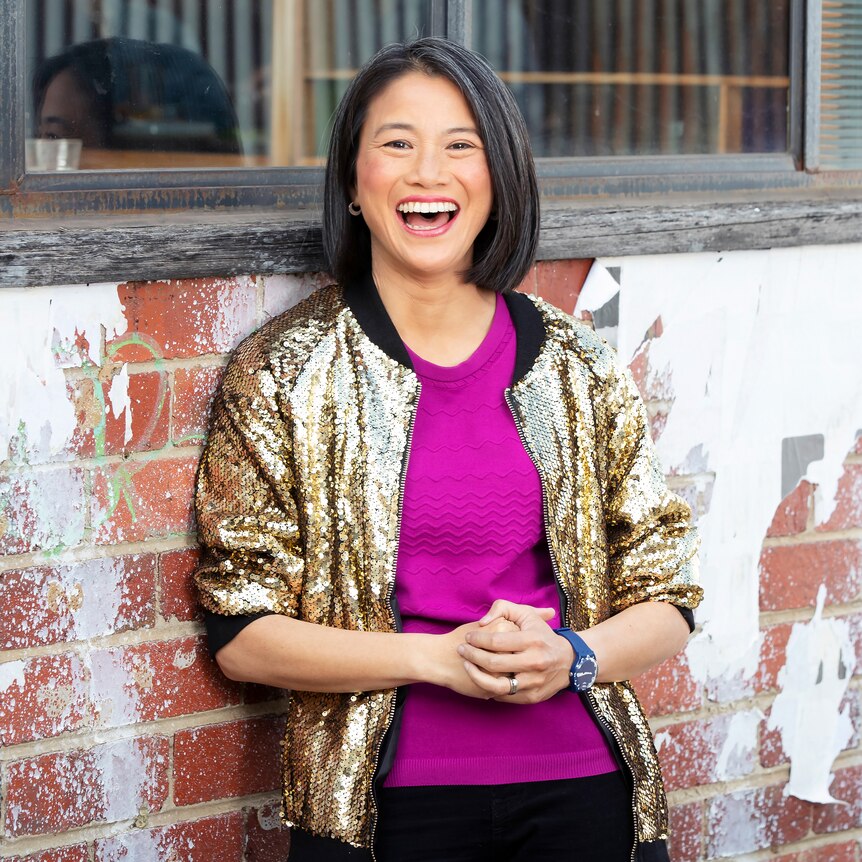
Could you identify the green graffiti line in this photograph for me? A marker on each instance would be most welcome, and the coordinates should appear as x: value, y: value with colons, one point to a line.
x: 120, y: 481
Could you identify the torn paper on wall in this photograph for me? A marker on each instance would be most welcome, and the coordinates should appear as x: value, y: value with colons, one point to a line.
x: 807, y: 711
x: 43, y: 331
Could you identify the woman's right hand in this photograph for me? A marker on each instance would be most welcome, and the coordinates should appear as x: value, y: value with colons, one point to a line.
x: 447, y: 667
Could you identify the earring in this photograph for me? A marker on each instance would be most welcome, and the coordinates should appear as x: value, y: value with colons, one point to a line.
x: 354, y: 209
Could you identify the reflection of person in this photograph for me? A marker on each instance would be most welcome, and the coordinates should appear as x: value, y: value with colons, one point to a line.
x: 416, y: 477
x: 128, y: 94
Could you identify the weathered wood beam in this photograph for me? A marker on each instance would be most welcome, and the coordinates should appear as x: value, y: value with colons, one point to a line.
x: 36, y: 252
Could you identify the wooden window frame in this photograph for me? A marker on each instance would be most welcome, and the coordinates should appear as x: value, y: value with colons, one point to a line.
x: 96, y: 226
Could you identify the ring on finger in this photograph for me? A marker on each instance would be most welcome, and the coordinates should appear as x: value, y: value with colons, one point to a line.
x: 513, y: 684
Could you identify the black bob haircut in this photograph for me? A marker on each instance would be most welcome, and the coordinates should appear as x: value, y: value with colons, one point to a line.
x: 505, y: 248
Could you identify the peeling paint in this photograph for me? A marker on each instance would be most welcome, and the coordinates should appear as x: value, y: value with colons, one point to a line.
x: 43, y: 331
x: 118, y: 395
x: 114, y: 688
x: 11, y: 673
x: 820, y: 663
x: 738, y: 751
x: 184, y: 660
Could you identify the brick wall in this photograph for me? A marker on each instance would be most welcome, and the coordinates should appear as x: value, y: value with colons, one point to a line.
x: 120, y: 739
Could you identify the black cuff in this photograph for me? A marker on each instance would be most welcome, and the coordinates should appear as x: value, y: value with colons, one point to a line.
x: 222, y: 628
x: 688, y: 616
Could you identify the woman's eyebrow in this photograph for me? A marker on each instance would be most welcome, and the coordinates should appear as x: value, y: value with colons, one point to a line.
x: 407, y: 127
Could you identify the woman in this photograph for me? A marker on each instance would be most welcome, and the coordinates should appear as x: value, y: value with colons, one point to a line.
x: 430, y: 507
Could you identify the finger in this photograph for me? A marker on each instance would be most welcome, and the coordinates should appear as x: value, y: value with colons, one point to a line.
x: 497, y: 663
x: 501, y: 624
x: 501, y: 642
x: 495, y: 686
x: 500, y: 608
x: 546, y: 613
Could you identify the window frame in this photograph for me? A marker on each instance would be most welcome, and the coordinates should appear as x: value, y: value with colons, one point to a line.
x: 268, y: 219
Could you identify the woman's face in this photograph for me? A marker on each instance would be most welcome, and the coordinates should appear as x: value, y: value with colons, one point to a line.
x: 422, y: 178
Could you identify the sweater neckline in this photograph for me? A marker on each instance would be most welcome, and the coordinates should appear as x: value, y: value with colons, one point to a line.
x: 501, y: 324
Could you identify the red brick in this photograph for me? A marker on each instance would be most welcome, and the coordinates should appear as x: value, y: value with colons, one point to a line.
x: 177, y: 594
x: 43, y: 697
x: 848, y: 501
x: 529, y: 284
x: 791, y: 516
x: 187, y: 318
x: 135, y: 501
x: 194, y: 389
x: 77, y: 601
x: 689, y: 753
x: 213, y: 839
x: 41, y: 510
x: 668, y: 687
x: 72, y: 853
x: 653, y: 384
x: 844, y: 851
x: 771, y: 748
x: 751, y: 820
x: 855, y: 623
x: 99, y: 432
x: 149, y: 681
x: 52, y: 793
x: 267, y: 838
x: 560, y: 281
x: 837, y: 817
x: 773, y: 656
x: 686, y: 832
x: 791, y: 575
x: 657, y: 424
x: 227, y: 760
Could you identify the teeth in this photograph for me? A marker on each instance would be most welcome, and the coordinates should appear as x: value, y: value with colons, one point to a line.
x: 426, y: 207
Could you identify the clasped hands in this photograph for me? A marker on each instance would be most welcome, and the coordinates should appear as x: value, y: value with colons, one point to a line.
x: 512, y: 639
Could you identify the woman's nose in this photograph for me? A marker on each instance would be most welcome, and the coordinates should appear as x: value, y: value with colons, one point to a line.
x: 428, y: 169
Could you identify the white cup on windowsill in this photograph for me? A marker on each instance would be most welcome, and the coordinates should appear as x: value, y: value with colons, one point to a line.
x: 52, y: 154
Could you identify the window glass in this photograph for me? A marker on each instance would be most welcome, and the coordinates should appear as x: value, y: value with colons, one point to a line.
x: 643, y: 77
x: 129, y: 84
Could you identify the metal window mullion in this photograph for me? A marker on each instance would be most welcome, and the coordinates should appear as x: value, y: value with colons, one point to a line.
x: 796, y: 96
x: 452, y: 19
x: 813, y: 55
x: 12, y: 93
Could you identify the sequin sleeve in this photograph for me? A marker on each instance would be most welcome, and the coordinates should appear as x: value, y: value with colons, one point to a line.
x: 247, y: 519
x: 652, y: 543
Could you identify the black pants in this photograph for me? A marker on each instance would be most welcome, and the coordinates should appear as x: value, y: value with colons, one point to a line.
x: 580, y: 820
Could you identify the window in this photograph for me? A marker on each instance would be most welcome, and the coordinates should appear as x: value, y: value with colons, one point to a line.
x: 221, y: 108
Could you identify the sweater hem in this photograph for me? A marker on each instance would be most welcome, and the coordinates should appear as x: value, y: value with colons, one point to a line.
x: 420, y: 772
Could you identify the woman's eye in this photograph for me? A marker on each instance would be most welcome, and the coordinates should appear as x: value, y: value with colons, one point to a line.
x: 460, y: 146
x: 398, y: 145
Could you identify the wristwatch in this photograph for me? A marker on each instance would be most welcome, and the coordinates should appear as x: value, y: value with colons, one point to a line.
x: 585, y: 668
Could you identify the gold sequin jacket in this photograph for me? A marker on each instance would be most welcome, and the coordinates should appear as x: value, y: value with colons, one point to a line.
x: 298, y: 506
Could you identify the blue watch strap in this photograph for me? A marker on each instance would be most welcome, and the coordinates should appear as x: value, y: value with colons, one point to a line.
x: 584, y: 669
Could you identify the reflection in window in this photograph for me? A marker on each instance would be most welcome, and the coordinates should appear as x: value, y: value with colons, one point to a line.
x: 198, y: 83
x: 643, y: 77
x: 209, y: 83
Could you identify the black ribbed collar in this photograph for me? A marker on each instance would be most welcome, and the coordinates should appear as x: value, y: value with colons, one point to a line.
x: 364, y: 302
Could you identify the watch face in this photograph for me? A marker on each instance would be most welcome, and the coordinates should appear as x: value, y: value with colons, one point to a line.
x: 584, y: 673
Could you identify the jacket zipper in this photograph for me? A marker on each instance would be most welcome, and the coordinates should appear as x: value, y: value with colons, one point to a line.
x: 590, y: 698
x: 391, y: 714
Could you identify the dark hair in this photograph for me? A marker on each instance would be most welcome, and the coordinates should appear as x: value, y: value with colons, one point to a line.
x: 506, y: 245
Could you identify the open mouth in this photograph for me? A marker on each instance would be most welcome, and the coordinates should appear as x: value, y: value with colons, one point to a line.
x: 427, y: 215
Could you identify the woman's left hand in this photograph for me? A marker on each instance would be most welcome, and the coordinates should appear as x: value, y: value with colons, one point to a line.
x: 536, y: 654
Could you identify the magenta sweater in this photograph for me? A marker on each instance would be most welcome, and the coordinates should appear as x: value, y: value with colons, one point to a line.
x: 472, y: 532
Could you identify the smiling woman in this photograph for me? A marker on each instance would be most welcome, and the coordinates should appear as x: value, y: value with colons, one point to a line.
x: 430, y: 507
